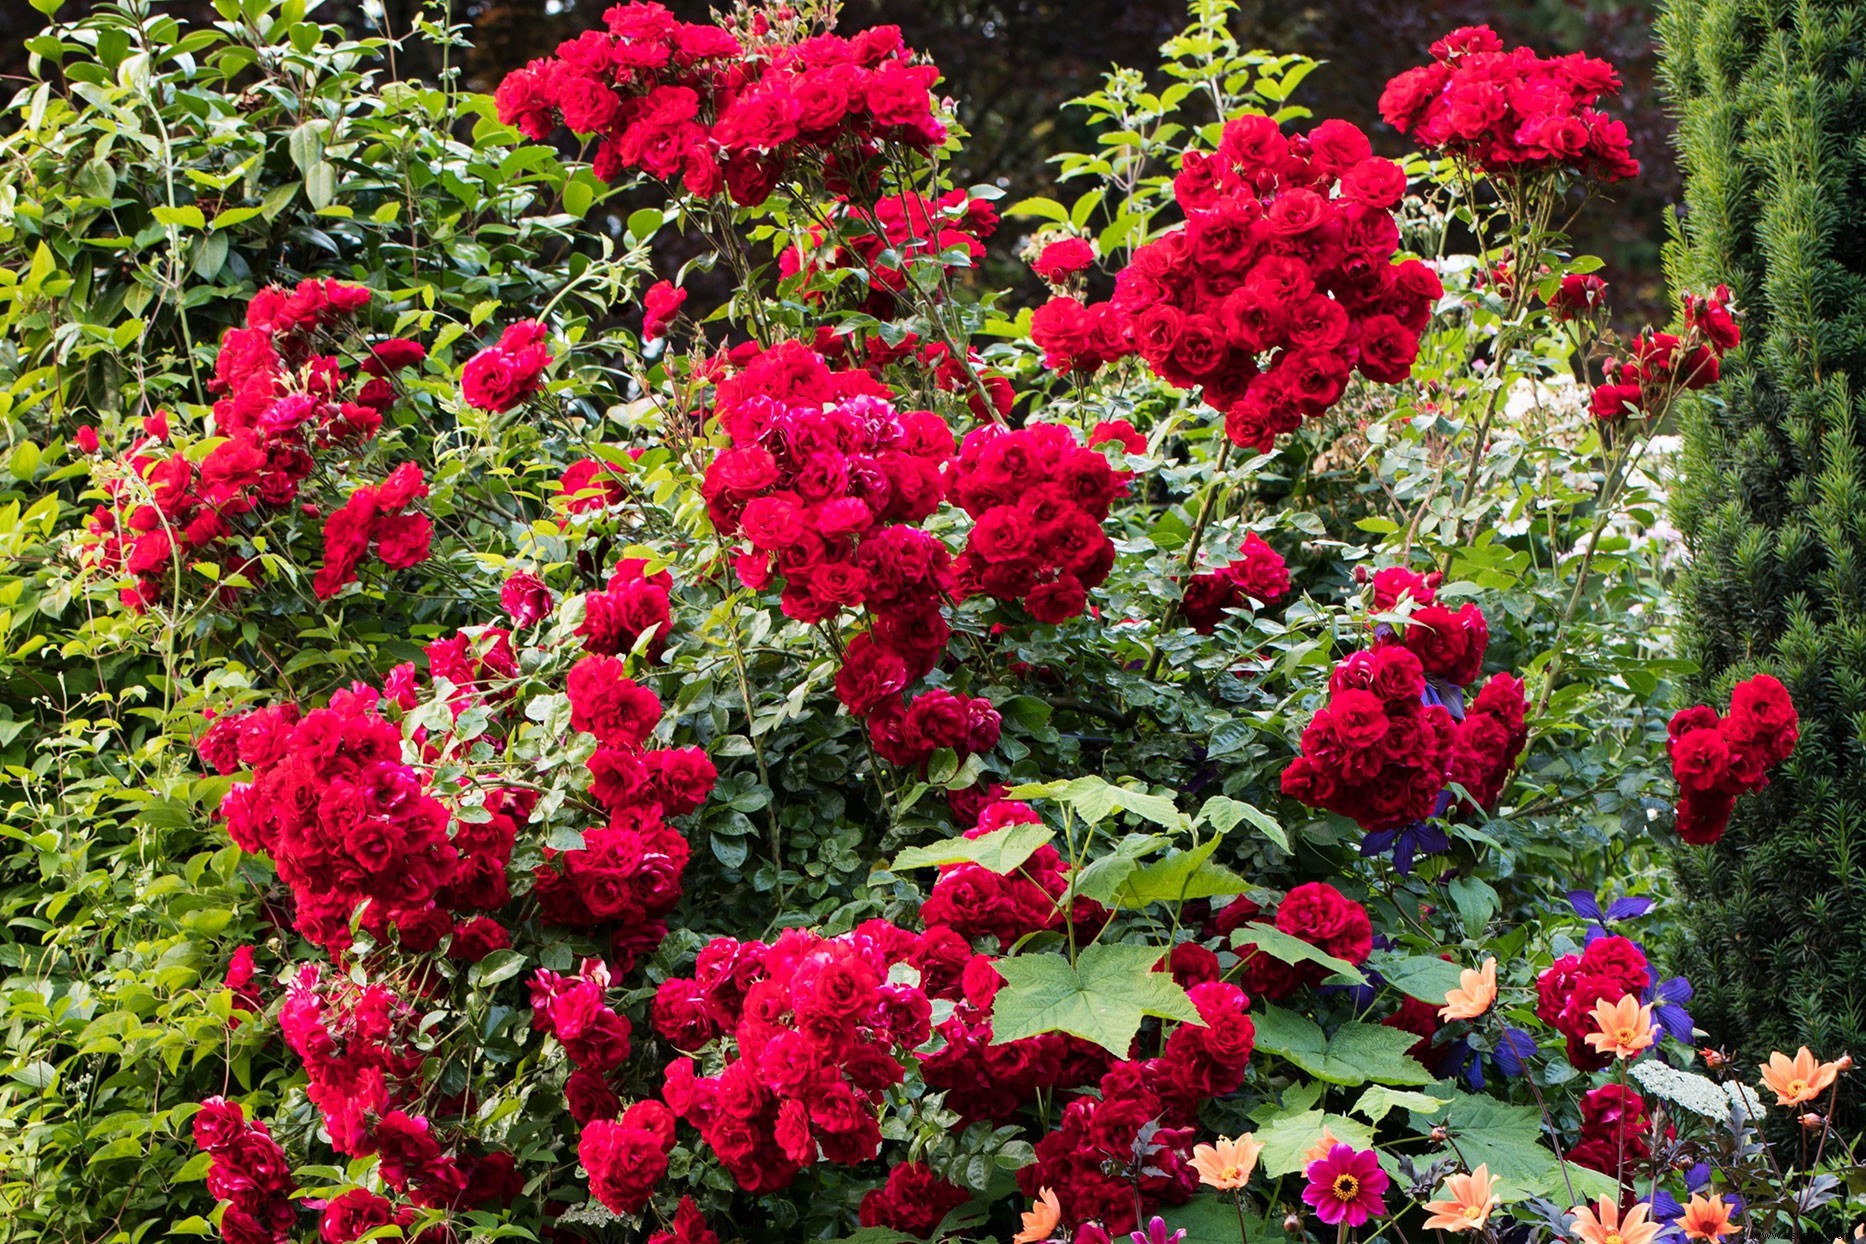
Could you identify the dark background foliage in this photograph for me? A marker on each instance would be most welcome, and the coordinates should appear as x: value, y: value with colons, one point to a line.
x: 1013, y: 64
x: 1772, y: 113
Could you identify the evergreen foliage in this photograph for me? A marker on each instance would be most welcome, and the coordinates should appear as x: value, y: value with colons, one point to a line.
x: 1771, y: 106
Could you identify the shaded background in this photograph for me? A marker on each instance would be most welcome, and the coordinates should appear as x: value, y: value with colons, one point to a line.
x: 1012, y: 64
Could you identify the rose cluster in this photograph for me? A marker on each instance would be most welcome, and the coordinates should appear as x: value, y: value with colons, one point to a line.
x: 717, y: 111
x: 1716, y: 758
x: 823, y: 480
x: 477, y: 663
x: 914, y: 1200
x: 1080, y: 337
x: 1128, y: 1150
x: 967, y: 725
x: 627, y: 1156
x: 574, y: 1010
x: 351, y: 1215
x: 1280, y: 285
x: 1659, y: 366
x: 1257, y: 574
x: 982, y: 1078
x: 507, y: 372
x: 358, y: 1046
x: 279, y: 398
x: 1450, y: 646
x: 377, y: 516
x: 625, y: 877
x: 633, y: 603
x: 1037, y: 499
x: 1489, y: 739
x: 815, y: 1029
x: 1397, y: 732
x: 1377, y: 753
x: 247, y: 1170
x: 587, y: 486
x: 624, y: 1151
x: 819, y: 461
x: 900, y: 230
x: 1614, y: 1127
x: 981, y: 905
x: 1064, y: 258
x: 1316, y: 913
x: 1609, y: 969
x: 1509, y: 111
x: 346, y: 821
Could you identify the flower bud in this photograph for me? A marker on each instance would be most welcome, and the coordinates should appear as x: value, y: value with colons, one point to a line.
x: 1845, y: 1063
x: 1292, y: 1225
x: 1440, y: 1135
x: 1812, y: 1121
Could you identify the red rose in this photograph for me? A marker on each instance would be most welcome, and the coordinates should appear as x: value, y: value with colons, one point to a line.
x: 1062, y: 259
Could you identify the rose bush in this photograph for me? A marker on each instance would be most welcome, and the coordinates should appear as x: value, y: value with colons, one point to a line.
x: 544, y: 744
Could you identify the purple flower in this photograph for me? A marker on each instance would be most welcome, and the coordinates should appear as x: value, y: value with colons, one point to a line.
x: 1156, y: 1234
x: 1514, y: 1050
x: 1418, y: 838
x: 1586, y: 905
x: 1668, y: 998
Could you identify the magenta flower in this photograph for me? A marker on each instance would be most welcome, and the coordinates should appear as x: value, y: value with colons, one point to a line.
x: 1346, y: 1186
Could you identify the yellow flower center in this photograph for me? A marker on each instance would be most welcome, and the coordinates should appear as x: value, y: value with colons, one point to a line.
x: 1473, y: 1212
x: 1614, y: 1237
x: 1626, y: 1036
x: 1346, y: 1188
x: 1797, y: 1087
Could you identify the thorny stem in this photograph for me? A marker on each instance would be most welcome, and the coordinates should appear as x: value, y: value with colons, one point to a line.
x: 1617, y: 475
x: 764, y: 775
x: 961, y: 358
x: 1554, y: 1133
x: 1192, y: 551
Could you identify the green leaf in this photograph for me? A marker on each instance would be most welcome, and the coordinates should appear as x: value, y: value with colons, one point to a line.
x: 1419, y: 976
x: 1379, y: 1101
x: 195, y: 1168
x: 1187, y: 875
x: 227, y: 217
x: 1356, y: 1054
x: 643, y: 223
x: 1476, y: 903
x: 1042, y: 209
x: 498, y: 966
x: 37, y: 1074
x: 278, y: 199
x: 187, y: 216
x: 321, y: 184
x: 1096, y: 799
x: 118, y: 1149
x: 1286, y: 1137
x: 1102, y: 998
x: 1224, y: 814
x: 1001, y: 850
x: 1284, y: 948
x: 1508, y: 1139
